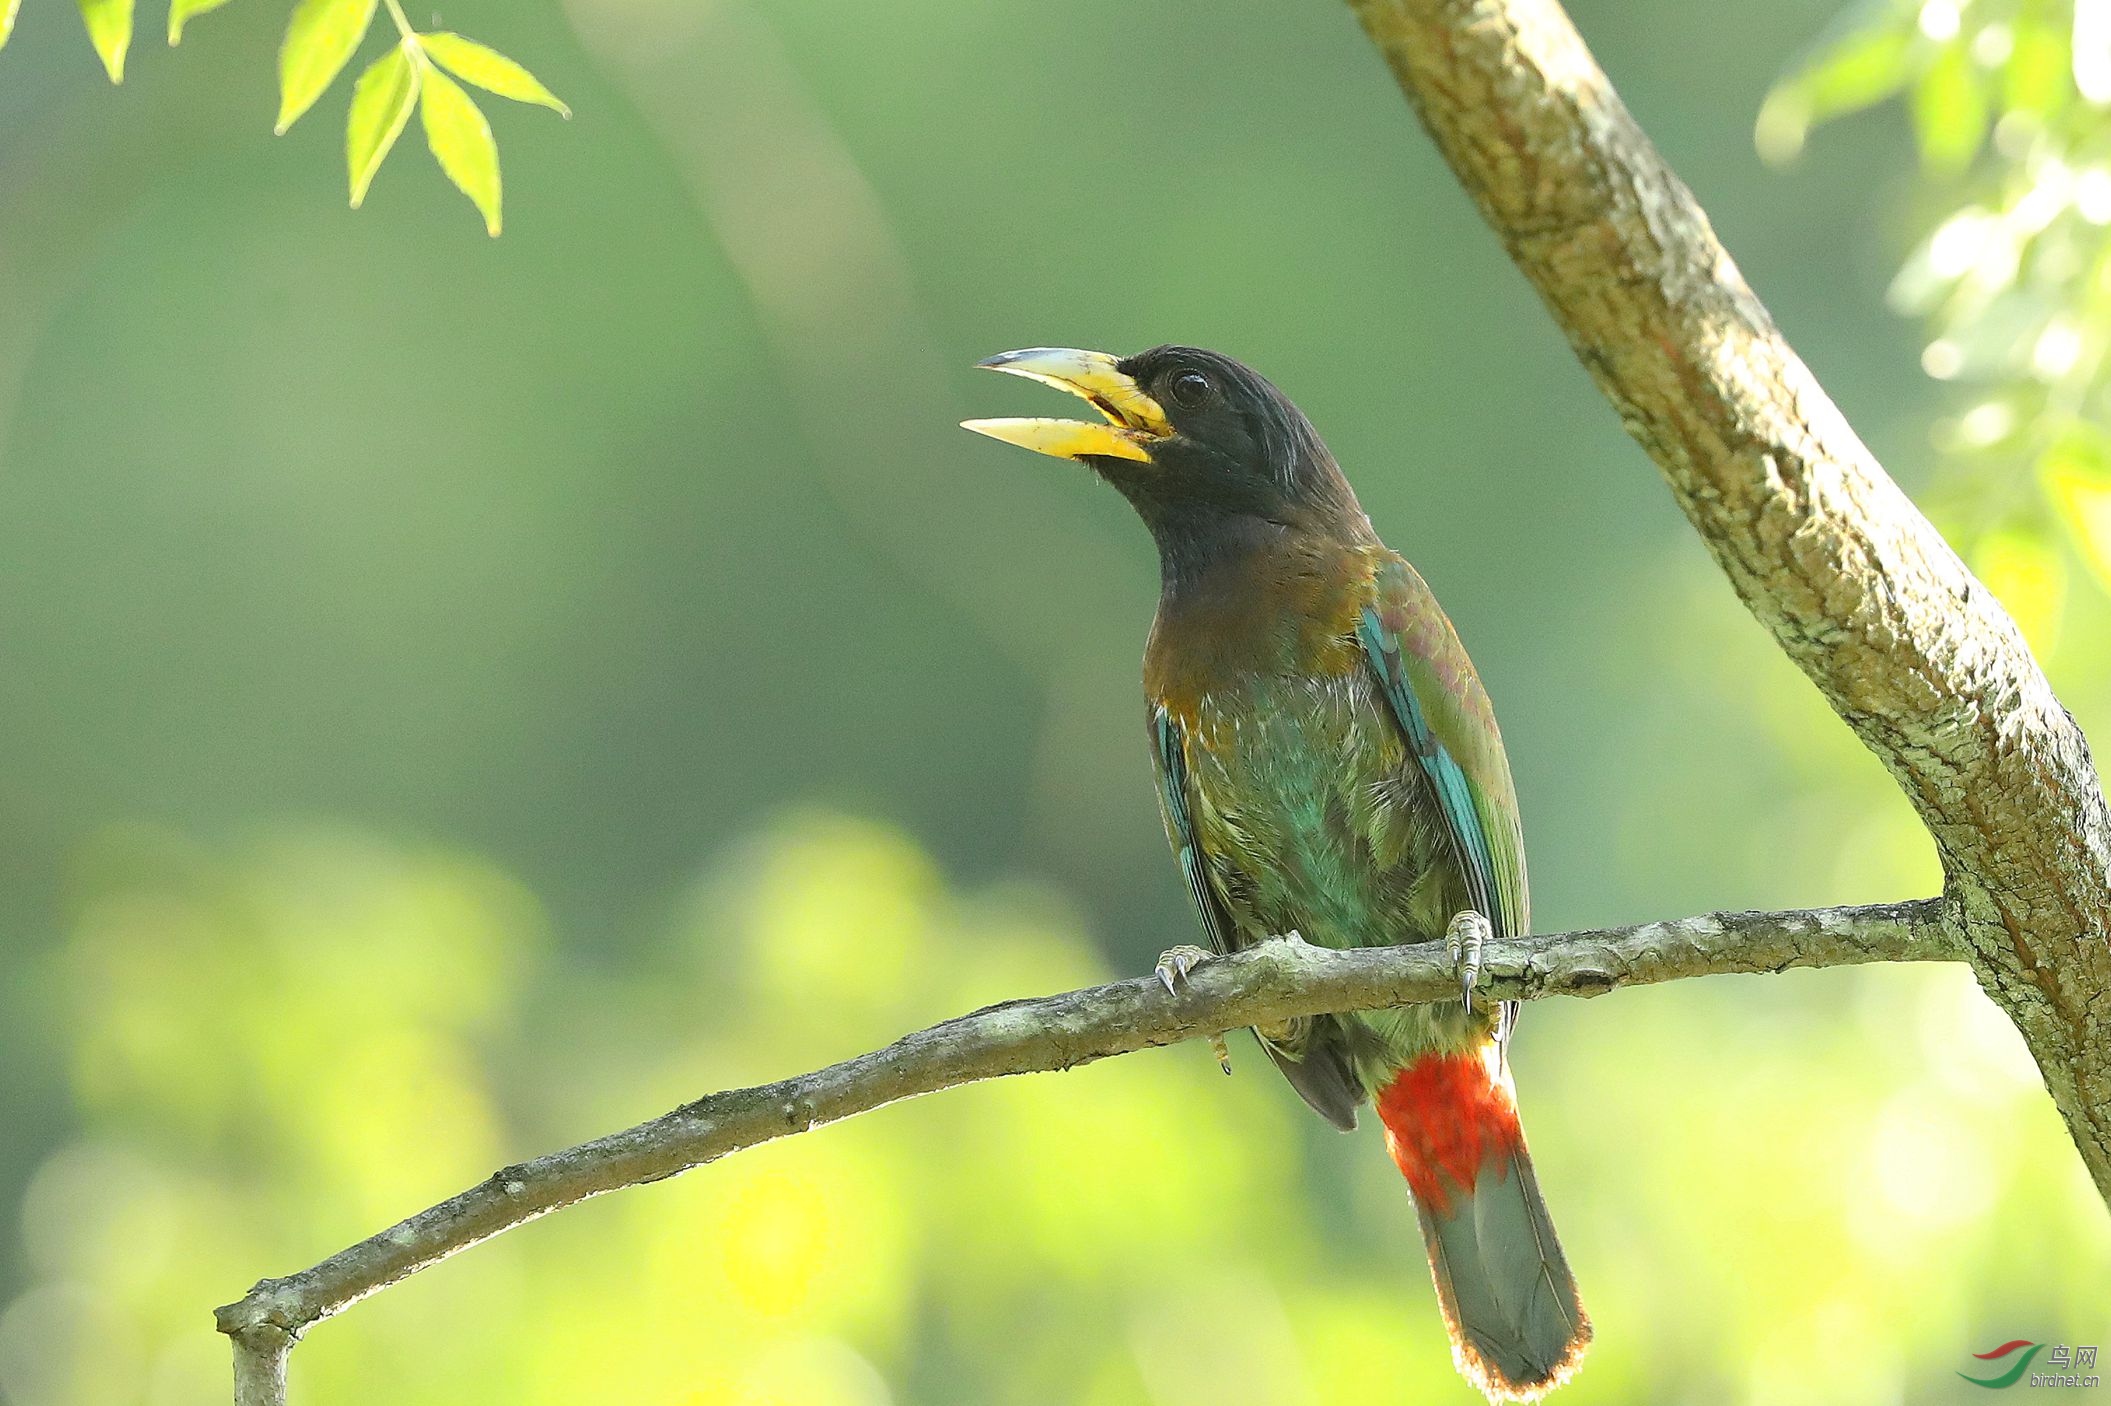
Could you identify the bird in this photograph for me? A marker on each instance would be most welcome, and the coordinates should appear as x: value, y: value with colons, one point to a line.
x: 1330, y: 772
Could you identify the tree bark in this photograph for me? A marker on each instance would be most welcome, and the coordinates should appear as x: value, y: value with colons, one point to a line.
x: 1263, y: 985
x: 1856, y: 586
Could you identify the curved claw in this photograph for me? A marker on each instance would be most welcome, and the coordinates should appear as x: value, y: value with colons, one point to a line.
x: 1175, y: 963
x: 1173, y: 966
x: 1464, y: 939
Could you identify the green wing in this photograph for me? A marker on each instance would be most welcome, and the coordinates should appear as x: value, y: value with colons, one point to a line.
x: 1450, y: 727
x: 1312, y: 1053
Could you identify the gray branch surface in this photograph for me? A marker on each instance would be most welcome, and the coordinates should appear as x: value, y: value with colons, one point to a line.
x: 1855, y: 585
x: 1272, y: 982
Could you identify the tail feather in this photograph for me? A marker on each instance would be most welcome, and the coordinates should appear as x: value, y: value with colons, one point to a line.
x: 1518, y: 1328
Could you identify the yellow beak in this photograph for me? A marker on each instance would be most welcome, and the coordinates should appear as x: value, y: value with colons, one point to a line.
x: 1133, y: 419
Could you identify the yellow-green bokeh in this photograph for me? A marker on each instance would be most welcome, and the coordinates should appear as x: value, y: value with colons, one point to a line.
x: 464, y: 696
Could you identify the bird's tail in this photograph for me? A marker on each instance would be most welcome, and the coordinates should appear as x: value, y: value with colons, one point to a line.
x: 1517, y: 1327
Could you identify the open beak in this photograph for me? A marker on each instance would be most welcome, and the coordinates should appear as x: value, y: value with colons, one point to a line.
x: 1133, y: 420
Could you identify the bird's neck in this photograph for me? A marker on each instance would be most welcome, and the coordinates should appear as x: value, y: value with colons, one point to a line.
x: 1254, y: 599
x: 1203, y: 554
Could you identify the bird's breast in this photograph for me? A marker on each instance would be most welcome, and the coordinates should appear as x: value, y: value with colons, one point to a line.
x: 1240, y: 631
x: 1304, y: 799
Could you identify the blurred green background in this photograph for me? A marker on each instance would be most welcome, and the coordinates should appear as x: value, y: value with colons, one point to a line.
x: 462, y: 696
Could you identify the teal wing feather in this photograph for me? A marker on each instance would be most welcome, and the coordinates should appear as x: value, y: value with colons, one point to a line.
x: 1450, y: 727
x: 1171, y: 753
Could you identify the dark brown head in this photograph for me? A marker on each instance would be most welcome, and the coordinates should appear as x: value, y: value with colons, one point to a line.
x: 1212, y: 457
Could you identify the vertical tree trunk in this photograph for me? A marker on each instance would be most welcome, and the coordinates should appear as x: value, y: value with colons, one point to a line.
x: 1912, y: 652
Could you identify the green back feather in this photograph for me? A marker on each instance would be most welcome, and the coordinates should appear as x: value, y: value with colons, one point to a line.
x: 1450, y: 727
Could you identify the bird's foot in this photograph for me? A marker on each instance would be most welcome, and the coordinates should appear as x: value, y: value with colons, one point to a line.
x: 1283, y: 1031
x: 1173, y: 966
x: 1176, y: 962
x: 1464, y: 939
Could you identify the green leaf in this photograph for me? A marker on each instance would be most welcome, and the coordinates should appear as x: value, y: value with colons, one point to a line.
x: 110, y: 31
x: 1863, y: 67
x: 2027, y: 576
x: 382, y: 100
x: 2036, y: 78
x: 320, y: 40
x: 181, y: 11
x: 2076, y: 473
x: 1949, y: 111
x: 7, y: 19
x: 461, y: 142
x: 1861, y: 70
x: 490, y: 70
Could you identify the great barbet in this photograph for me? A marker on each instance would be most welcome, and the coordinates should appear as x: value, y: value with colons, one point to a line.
x: 1329, y: 767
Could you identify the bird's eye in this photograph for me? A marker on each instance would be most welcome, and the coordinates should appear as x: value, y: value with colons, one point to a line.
x: 1189, y: 390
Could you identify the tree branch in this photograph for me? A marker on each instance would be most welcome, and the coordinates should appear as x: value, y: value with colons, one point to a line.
x: 1273, y: 982
x: 1909, y: 649
x: 261, y: 1349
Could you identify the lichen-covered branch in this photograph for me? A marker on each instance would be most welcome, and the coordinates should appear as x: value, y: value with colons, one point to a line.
x: 261, y: 1350
x: 1856, y: 586
x: 1273, y: 982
